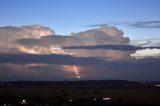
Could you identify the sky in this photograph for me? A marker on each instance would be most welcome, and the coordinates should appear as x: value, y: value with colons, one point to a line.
x: 79, y: 39
x: 74, y: 15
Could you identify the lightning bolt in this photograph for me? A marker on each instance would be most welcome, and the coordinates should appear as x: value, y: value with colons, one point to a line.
x: 76, y: 70
x: 72, y: 68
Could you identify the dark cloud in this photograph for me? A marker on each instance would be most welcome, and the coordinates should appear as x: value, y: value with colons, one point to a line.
x: 42, y: 72
x: 109, y: 23
x: 146, y: 24
x: 112, y: 47
x: 143, y: 69
x: 56, y: 40
x: 115, y: 52
x: 47, y: 59
x: 38, y: 68
x: 97, y: 25
x: 139, y: 24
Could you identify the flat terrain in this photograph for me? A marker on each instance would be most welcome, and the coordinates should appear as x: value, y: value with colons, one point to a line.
x: 132, y: 92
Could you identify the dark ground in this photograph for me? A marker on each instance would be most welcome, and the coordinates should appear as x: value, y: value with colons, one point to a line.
x: 80, y: 93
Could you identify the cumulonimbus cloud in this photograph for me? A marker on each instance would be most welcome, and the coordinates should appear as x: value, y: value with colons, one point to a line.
x: 37, y: 39
x: 37, y: 53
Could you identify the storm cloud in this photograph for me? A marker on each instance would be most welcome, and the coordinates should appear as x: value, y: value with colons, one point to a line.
x: 37, y: 53
x: 99, y: 36
x: 35, y: 67
x: 42, y: 40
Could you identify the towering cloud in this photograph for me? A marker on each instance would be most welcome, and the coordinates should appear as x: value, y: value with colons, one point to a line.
x: 99, y: 36
x: 102, y: 35
x: 9, y: 34
x: 33, y: 31
x: 37, y: 39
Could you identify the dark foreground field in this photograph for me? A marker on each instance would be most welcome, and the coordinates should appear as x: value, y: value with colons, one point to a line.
x: 80, y: 93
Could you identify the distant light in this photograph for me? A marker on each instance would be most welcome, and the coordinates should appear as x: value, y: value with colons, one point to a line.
x: 23, y: 101
x: 106, y: 99
x: 94, y: 99
x: 157, y: 85
x: 78, y: 77
x: 7, y: 104
x: 70, y: 100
